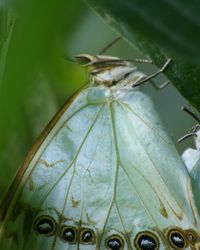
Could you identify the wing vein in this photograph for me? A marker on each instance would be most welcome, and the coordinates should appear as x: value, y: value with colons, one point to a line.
x: 71, y: 163
x: 156, y: 169
x: 75, y: 157
x: 111, y: 118
x: 121, y: 221
x: 136, y: 191
x: 66, y: 197
x: 145, y: 122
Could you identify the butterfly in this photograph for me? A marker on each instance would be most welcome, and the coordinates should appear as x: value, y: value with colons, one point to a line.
x: 103, y: 175
x: 191, y: 157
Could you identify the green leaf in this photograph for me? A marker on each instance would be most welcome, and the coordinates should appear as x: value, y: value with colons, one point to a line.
x: 161, y: 29
x: 32, y: 37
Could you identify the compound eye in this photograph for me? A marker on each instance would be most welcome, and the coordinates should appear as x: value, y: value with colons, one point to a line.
x: 87, y: 236
x: 45, y: 225
x: 68, y: 234
x: 115, y: 242
x: 146, y: 241
x: 176, y: 239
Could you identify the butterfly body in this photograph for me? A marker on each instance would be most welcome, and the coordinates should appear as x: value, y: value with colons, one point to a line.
x: 106, y: 175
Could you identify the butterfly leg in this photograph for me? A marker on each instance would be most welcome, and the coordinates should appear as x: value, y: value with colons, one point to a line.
x: 142, y: 81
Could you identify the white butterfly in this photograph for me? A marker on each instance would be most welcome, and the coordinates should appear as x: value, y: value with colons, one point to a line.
x: 104, y: 174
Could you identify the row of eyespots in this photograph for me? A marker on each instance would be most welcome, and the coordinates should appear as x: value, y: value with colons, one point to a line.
x: 46, y: 225
x: 145, y: 240
x: 180, y: 239
x: 177, y: 238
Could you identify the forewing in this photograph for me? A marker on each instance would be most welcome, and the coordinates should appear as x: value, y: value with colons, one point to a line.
x: 52, y: 183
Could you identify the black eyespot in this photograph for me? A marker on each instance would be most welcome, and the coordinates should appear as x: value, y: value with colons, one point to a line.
x: 146, y: 241
x: 114, y: 242
x: 45, y: 225
x: 68, y: 234
x: 87, y: 236
x: 176, y: 239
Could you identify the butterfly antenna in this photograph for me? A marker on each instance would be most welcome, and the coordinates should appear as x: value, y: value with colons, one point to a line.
x: 110, y: 45
x: 191, y: 113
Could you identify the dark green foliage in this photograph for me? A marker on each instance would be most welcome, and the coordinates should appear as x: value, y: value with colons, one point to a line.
x: 161, y: 29
x: 33, y: 35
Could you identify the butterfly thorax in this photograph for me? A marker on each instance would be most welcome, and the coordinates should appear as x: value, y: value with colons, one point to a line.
x: 109, y: 71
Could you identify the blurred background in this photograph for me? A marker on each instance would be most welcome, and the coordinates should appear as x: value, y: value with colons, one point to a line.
x: 36, y: 77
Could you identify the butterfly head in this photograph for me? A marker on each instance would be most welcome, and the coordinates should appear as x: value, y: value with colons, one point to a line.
x: 109, y: 71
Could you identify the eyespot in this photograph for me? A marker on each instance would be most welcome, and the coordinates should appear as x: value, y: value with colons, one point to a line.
x: 114, y: 242
x: 45, y: 225
x: 68, y: 234
x: 146, y: 241
x: 176, y: 238
x: 192, y: 237
x: 87, y: 236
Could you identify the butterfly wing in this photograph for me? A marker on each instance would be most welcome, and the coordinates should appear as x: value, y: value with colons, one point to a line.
x: 106, y: 176
x: 195, y: 180
x: 191, y: 158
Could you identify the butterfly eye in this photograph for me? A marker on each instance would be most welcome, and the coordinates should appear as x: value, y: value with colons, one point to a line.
x: 87, y: 236
x: 176, y: 239
x: 68, y: 234
x: 115, y: 242
x: 146, y: 241
x: 45, y: 225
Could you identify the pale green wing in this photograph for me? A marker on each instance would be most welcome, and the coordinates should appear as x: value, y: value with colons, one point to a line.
x: 157, y: 158
x: 106, y: 177
x: 195, y: 180
x: 191, y: 158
